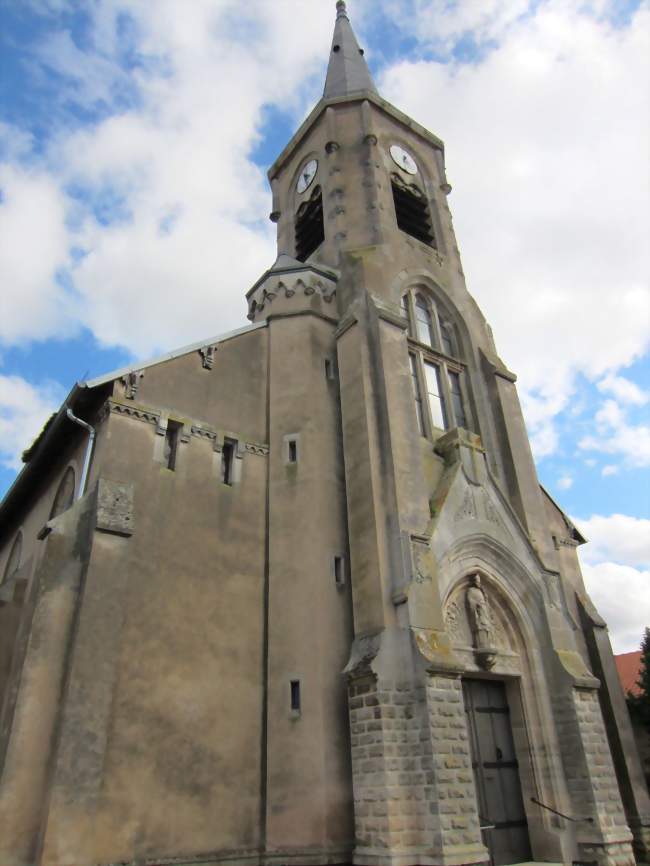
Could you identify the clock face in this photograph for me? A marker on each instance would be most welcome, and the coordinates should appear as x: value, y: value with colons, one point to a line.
x: 404, y: 159
x: 307, y: 174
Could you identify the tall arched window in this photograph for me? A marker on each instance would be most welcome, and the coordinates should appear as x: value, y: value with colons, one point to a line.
x: 423, y: 321
x: 436, y: 369
x: 64, y: 494
x: 447, y: 342
x: 13, y: 563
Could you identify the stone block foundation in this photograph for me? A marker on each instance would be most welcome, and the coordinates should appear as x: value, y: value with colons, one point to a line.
x: 414, y: 796
x: 606, y: 838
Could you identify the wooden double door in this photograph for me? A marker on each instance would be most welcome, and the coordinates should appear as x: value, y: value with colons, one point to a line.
x: 496, y: 772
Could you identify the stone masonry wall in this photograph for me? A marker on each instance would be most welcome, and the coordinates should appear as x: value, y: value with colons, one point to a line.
x: 389, y: 763
x: 452, y: 793
x: 412, y: 774
x: 592, y: 780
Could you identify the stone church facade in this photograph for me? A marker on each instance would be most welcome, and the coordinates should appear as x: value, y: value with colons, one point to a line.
x: 294, y: 594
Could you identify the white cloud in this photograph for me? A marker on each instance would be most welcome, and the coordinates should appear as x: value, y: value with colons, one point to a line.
x: 526, y: 144
x: 615, y: 568
x: 617, y: 538
x: 169, y: 214
x: 34, y: 247
x: 565, y: 482
x: 615, y: 435
x: 610, y: 469
x: 624, y: 390
x: 24, y: 408
x: 622, y: 596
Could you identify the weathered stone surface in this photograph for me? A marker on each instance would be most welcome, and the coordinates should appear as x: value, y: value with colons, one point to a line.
x: 171, y: 684
x: 115, y: 507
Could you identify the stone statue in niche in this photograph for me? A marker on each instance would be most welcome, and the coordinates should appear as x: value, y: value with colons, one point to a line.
x: 480, y: 621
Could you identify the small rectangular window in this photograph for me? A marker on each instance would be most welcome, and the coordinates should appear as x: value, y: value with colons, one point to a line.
x: 339, y: 570
x: 171, y: 444
x: 457, y: 399
x: 228, y: 461
x: 329, y: 369
x: 295, y: 696
x: 293, y: 451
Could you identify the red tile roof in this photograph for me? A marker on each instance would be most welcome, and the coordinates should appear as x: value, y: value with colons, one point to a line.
x: 628, y: 665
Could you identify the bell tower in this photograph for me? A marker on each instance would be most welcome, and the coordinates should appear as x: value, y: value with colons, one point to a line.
x: 442, y: 499
x: 361, y: 188
x: 360, y: 201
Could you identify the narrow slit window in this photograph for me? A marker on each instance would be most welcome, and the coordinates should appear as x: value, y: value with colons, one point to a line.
x: 436, y: 400
x: 457, y: 399
x: 171, y: 444
x: 293, y: 451
x: 416, y: 394
x: 310, y: 228
x: 295, y: 696
x: 228, y: 461
x: 412, y: 213
x: 339, y: 570
x: 329, y: 369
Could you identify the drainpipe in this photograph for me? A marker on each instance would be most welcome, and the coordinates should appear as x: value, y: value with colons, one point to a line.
x: 89, y: 451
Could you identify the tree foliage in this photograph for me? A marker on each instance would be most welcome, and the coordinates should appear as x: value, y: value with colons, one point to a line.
x: 639, y: 704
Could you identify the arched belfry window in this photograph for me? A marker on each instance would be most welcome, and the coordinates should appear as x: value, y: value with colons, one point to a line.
x: 437, y: 371
x: 310, y: 227
x: 13, y: 563
x: 64, y: 494
x: 412, y: 211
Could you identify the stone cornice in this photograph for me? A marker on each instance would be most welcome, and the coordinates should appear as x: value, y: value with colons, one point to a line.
x: 361, y: 96
x: 191, y: 427
x: 348, y: 322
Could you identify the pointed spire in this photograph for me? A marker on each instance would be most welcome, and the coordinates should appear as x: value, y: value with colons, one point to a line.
x: 347, y: 71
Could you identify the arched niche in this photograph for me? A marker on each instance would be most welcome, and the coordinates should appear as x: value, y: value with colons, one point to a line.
x: 522, y: 659
x: 65, y: 493
x: 15, y: 556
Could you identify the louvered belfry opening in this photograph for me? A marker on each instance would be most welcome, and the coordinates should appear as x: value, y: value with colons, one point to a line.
x: 310, y: 228
x: 412, y: 211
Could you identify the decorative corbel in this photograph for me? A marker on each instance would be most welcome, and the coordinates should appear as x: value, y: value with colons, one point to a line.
x: 161, y: 424
x: 207, y: 353
x: 131, y: 382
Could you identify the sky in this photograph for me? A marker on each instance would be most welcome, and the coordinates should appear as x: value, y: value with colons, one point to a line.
x: 134, y: 142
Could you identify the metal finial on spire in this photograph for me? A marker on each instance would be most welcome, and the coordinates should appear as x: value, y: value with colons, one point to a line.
x: 341, y: 9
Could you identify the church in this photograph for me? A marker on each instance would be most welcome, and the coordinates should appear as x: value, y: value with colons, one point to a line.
x: 293, y: 594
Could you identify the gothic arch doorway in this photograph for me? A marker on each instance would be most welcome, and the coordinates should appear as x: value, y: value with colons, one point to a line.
x: 495, y: 633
